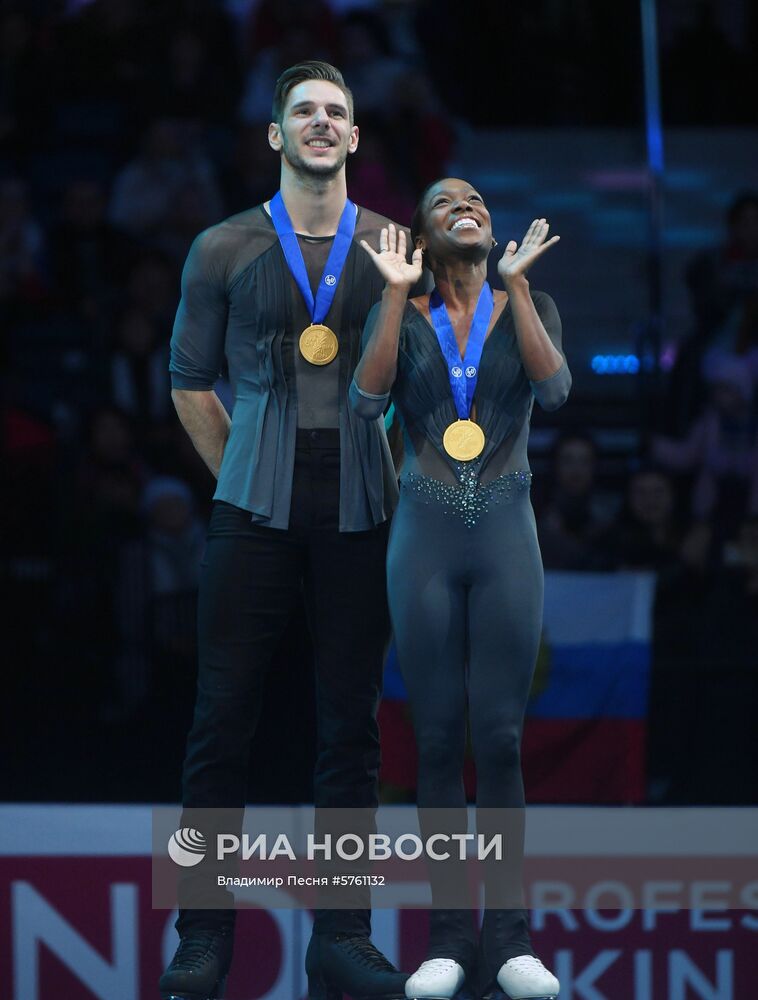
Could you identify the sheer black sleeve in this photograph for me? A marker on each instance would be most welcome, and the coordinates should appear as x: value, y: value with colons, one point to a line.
x: 368, y: 405
x: 197, y: 343
x: 553, y: 391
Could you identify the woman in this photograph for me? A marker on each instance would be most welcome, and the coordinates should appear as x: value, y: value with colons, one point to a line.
x: 464, y: 572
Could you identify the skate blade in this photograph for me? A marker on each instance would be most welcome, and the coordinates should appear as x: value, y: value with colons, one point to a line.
x: 383, y: 996
x: 217, y: 994
x: 464, y: 994
x: 499, y: 995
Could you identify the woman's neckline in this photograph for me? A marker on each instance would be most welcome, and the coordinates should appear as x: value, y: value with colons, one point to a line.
x: 427, y: 320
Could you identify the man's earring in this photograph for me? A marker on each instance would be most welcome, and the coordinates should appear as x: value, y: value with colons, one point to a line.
x: 494, y: 242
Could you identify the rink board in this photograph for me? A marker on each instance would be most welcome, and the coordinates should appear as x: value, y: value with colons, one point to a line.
x: 76, y: 920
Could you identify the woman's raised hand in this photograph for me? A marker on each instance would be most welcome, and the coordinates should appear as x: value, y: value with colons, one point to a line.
x: 391, y: 261
x: 517, y: 260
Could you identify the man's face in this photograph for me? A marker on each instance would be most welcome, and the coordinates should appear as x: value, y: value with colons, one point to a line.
x: 315, y: 134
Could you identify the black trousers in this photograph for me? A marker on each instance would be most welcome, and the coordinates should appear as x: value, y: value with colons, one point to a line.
x: 251, y: 578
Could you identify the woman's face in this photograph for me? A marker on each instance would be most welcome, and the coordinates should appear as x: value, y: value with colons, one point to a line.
x: 456, y: 222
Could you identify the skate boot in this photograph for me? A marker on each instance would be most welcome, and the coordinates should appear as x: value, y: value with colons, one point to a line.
x: 199, y: 968
x: 345, y: 963
x: 521, y: 976
x: 436, y: 979
x: 526, y: 978
x: 451, y: 958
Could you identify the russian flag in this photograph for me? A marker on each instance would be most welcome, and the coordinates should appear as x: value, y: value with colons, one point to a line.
x: 584, y: 737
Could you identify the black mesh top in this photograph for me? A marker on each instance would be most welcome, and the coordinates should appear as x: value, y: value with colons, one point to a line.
x: 318, y: 386
x: 502, y: 404
x: 241, y: 304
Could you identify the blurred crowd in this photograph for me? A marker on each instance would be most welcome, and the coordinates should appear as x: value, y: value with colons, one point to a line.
x: 126, y: 127
x: 687, y: 510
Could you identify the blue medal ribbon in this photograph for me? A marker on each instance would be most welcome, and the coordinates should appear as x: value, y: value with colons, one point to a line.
x: 462, y: 372
x: 327, y: 286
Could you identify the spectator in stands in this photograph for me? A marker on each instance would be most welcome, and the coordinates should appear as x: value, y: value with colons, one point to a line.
x: 89, y: 257
x: 251, y: 175
x: 191, y: 82
x: 722, y: 279
x: 723, y: 287
x: 375, y: 180
x: 138, y: 369
x: 295, y: 46
x: 22, y: 246
x: 111, y: 473
x: 176, y: 536
x: 738, y: 291
x: 366, y: 56
x: 720, y: 97
x: 101, y: 51
x: 576, y: 513
x: 278, y: 34
x: 646, y: 534
x: 721, y: 449
x: 189, y: 212
x: 23, y: 103
x: 722, y: 680
x: 145, y: 190
x: 743, y: 552
x: 98, y: 581
x: 270, y: 26
x: 151, y: 286
x: 169, y: 557
x: 421, y: 128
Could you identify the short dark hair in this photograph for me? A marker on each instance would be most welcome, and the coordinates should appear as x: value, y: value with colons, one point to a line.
x: 312, y: 69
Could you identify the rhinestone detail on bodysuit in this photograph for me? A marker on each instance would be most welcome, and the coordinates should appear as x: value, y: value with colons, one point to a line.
x: 470, y: 499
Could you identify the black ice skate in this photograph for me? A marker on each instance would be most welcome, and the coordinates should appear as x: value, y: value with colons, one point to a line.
x: 199, y: 968
x: 343, y: 963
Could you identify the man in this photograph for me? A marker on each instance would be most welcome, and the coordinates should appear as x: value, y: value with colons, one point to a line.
x: 305, y: 490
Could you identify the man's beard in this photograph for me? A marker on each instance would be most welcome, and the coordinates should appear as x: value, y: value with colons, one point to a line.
x: 311, y: 168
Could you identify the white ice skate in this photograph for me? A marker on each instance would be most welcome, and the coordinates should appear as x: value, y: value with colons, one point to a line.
x: 435, y: 979
x: 526, y: 978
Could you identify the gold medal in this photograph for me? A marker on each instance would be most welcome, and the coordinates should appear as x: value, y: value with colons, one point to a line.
x: 463, y: 440
x: 319, y: 344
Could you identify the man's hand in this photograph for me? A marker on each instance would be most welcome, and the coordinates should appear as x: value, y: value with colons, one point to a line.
x: 391, y: 261
x: 206, y: 421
